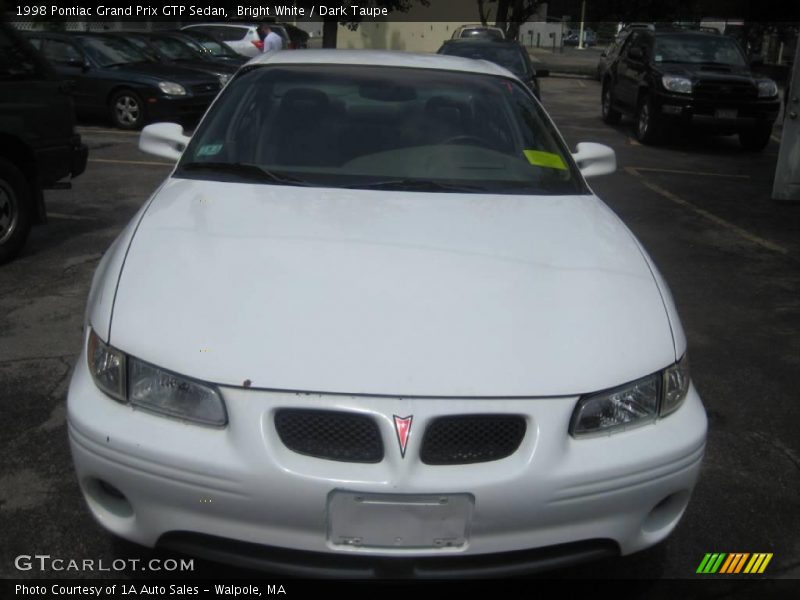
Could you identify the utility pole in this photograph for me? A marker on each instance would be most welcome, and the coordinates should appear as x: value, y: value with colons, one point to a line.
x: 583, y: 18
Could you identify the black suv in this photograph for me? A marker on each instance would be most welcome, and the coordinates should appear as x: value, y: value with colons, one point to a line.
x: 38, y: 143
x: 692, y: 78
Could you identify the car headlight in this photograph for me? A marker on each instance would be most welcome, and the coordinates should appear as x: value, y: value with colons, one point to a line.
x: 171, y: 88
x: 767, y: 88
x: 633, y: 404
x: 673, y: 83
x: 223, y: 78
x: 132, y: 381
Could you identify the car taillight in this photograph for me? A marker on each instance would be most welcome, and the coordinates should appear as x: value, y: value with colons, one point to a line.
x: 291, y: 46
x: 258, y: 44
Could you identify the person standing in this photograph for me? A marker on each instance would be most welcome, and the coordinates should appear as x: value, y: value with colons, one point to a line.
x: 272, y: 41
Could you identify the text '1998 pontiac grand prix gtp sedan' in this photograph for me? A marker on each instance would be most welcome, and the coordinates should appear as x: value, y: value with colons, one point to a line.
x: 375, y: 319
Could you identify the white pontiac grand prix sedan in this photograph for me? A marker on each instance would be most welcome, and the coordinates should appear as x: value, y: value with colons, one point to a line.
x: 375, y: 322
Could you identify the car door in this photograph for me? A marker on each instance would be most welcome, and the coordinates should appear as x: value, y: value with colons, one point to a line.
x: 71, y: 64
x: 631, y: 67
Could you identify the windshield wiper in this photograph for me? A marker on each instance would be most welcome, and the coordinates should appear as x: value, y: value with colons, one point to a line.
x: 247, y: 171
x: 415, y: 185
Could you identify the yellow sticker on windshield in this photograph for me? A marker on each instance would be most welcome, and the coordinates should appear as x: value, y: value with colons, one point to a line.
x: 545, y: 159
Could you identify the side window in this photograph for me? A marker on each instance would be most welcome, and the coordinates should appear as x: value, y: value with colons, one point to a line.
x: 59, y: 52
x: 645, y: 44
x: 16, y: 61
x: 629, y: 42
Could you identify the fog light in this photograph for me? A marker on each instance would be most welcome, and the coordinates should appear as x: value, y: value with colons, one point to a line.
x: 102, y: 494
x: 671, y: 109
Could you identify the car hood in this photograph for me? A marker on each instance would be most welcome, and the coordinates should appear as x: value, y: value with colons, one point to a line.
x: 167, y: 72
x: 709, y: 73
x: 398, y: 293
x: 205, y: 66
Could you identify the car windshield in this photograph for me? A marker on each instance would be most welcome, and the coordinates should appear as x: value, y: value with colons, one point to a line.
x: 108, y: 52
x: 382, y: 128
x: 508, y: 57
x: 698, y: 49
x: 142, y: 45
x: 173, y: 49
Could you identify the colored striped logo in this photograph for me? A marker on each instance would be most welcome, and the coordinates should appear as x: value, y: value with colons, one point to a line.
x: 734, y: 563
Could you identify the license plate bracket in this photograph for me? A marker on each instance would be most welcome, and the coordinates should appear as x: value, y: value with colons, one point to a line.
x: 416, y: 521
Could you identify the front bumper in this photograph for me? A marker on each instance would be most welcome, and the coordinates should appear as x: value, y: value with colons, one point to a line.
x: 599, y: 496
x: 68, y: 157
x: 166, y: 108
x: 720, y: 114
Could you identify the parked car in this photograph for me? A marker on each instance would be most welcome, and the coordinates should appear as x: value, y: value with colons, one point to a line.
x: 695, y: 79
x: 209, y: 46
x: 507, y: 53
x: 375, y: 321
x: 572, y: 36
x: 110, y: 76
x: 610, y: 53
x: 478, y: 31
x: 175, y: 49
x: 298, y: 38
x: 38, y: 143
x: 244, y: 38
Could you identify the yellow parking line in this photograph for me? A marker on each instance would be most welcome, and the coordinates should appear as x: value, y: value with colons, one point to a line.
x: 132, y: 162
x: 743, y: 233
x: 775, y: 138
x: 633, y: 142
x: 680, y: 172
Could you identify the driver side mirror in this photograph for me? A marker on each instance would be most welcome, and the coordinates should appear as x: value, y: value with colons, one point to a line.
x: 75, y: 61
x: 594, y: 159
x: 756, y: 60
x: 636, y: 53
x: 165, y: 140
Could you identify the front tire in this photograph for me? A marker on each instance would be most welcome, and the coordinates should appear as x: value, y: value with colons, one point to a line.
x: 127, y: 110
x: 16, y: 210
x: 648, y: 124
x: 757, y: 138
x: 610, y: 115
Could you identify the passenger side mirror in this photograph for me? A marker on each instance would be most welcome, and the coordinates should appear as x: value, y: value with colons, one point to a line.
x: 75, y: 61
x: 594, y: 159
x: 165, y: 140
x: 542, y: 73
x: 756, y: 60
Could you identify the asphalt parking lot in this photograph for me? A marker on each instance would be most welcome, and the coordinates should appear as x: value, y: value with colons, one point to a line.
x: 700, y: 206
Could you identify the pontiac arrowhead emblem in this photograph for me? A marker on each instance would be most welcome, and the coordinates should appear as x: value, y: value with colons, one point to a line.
x: 402, y: 426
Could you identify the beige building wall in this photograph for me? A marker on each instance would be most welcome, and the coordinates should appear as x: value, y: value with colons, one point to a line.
x: 424, y: 31
x: 405, y: 36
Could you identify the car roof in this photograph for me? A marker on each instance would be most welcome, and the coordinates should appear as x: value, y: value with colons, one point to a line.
x: 387, y: 58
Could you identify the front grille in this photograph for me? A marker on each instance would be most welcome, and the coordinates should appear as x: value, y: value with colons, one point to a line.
x: 332, y: 435
x: 465, y: 439
x: 723, y: 91
x: 205, y: 88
